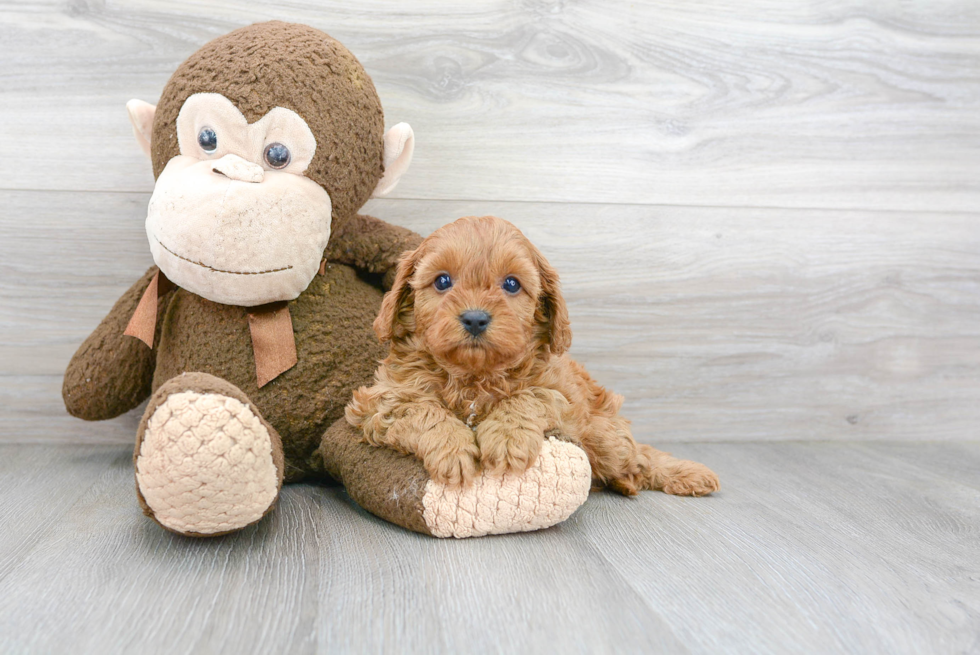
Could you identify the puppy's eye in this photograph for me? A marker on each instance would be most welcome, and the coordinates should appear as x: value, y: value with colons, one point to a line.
x: 511, y: 285
x: 443, y: 282
x: 208, y: 140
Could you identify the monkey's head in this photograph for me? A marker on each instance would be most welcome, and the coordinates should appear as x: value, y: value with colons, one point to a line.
x: 261, y: 139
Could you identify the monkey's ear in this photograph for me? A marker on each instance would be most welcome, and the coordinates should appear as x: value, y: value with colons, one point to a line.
x: 399, y: 145
x: 141, y: 116
x: 396, y: 320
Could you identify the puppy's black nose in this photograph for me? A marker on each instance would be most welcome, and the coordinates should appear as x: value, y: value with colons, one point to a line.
x: 475, y: 321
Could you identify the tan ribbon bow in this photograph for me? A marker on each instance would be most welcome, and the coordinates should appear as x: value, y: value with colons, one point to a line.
x: 143, y: 324
x: 270, y: 326
x: 273, y: 341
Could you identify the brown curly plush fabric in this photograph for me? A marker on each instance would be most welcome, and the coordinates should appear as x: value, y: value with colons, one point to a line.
x: 258, y: 68
x: 93, y: 388
x: 278, y: 64
x: 335, y: 344
x: 335, y: 347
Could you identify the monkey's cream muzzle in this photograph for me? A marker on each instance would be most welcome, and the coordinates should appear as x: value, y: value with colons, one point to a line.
x: 222, y: 225
x: 232, y: 232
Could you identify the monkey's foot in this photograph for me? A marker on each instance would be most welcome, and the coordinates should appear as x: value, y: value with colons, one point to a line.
x: 206, y: 462
x: 546, y: 494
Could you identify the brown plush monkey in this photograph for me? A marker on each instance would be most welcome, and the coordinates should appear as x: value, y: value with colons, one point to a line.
x: 254, y: 328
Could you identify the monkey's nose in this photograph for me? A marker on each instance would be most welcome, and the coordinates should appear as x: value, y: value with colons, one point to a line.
x: 475, y: 321
x: 236, y: 168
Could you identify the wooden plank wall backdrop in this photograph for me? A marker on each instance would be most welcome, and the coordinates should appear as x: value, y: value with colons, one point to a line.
x: 765, y: 213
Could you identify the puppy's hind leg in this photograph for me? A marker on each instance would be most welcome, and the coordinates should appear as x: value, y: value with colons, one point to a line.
x: 627, y: 467
x: 679, y: 477
x: 616, y: 462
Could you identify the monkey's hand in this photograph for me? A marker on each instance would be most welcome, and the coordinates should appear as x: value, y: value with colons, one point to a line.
x: 111, y: 373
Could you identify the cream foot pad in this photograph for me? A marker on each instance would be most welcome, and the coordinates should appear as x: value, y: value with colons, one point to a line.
x: 554, y: 487
x: 205, y: 464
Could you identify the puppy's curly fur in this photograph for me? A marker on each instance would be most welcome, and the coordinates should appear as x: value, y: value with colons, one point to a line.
x: 464, y: 394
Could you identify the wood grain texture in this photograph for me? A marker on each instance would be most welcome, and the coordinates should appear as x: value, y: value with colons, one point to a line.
x: 846, y: 104
x: 38, y: 486
x: 809, y: 547
x: 715, y: 324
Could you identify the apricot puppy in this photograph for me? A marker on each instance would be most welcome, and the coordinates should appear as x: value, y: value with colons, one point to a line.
x: 477, y: 374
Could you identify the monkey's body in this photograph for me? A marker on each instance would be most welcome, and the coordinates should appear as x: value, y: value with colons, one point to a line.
x: 112, y: 373
x: 335, y: 349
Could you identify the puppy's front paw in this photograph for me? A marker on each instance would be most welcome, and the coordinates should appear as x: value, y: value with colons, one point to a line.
x: 688, y: 478
x: 451, y: 454
x: 507, y: 447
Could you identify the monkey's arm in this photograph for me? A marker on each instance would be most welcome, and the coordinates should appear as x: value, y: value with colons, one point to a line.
x: 111, y: 373
x: 370, y: 244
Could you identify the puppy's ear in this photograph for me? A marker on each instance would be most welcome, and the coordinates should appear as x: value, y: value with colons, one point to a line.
x: 552, y: 311
x: 395, y: 320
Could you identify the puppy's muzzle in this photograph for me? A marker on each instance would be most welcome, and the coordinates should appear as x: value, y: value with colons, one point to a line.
x: 475, y: 321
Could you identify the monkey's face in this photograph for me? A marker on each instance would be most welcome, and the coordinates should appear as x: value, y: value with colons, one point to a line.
x: 262, y: 137
x: 232, y: 217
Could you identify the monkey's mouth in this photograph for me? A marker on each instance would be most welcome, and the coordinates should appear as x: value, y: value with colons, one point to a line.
x: 218, y: 270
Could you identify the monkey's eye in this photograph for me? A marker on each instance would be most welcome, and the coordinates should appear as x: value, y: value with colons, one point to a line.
x: 511, y: 285
x: 208, y: 140
x: 443, y: 282
x: 277, y: 155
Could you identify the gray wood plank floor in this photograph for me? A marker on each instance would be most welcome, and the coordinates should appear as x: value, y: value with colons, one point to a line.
x: 809, y: 547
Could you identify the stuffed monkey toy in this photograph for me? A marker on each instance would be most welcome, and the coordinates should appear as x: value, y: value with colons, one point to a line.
x: 255, y: 326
